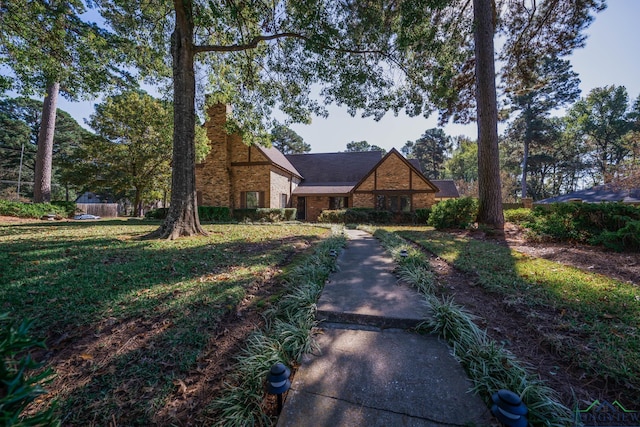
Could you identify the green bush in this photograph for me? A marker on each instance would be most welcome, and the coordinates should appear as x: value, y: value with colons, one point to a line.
x: 625, y: 239
x: 581, y: 222
x: 357, y: 216
x: 214, y: 213
x: 160, y: 213
x: 337, y: 216
x: 518, y: 216
x: 290, y: 214
x: 69, y: 207
x: 454, y: 213
x: 30, y: 210
x: 263, y: 214
x: 18, y: 387
x: 422, y: 215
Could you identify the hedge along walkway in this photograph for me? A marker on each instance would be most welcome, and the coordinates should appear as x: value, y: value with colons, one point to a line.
x: 489, y: 365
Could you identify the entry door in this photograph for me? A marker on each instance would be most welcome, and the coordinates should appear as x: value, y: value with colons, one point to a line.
x: 301, y: 209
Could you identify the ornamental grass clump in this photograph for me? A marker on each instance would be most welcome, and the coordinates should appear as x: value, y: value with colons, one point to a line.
x: 488, y: 364
x: 288, y: 334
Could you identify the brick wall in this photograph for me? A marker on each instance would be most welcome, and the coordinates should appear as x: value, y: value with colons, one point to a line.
x: 212, y: 175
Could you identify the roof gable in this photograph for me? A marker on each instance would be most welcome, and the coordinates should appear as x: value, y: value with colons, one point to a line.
x: 279, y: 159
x: 412, y: 168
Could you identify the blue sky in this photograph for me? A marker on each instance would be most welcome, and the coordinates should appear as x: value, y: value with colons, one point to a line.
x: 609, y: 58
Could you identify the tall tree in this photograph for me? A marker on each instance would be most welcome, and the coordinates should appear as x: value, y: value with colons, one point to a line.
x: 250, y: 42
x: 61, y: 54
x: 20, y: 120
x: 431, y: 150
x: 535, y: 93
x: 288, y: 141
x: 449, y: 59
x: 356, y: 146
x: 133, y: 150
x: 604, y: 118
x: 463, y: 164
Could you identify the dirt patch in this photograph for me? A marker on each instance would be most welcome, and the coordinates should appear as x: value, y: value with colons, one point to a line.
x: 529, y: 332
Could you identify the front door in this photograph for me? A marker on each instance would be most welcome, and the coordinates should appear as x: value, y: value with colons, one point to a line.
x: 301, y: 209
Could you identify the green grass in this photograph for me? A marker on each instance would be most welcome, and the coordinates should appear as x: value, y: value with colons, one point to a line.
x: 603, y: 312
x: 84, y: 284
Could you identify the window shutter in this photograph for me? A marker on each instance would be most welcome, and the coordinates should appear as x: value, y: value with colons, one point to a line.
x: 261, y: 199
x: 243, y: 200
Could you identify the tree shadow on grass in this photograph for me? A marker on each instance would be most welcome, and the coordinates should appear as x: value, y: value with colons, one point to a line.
x: 124, y: 318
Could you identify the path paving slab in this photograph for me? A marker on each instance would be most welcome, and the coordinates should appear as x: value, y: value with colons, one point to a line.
x: 370, y: 371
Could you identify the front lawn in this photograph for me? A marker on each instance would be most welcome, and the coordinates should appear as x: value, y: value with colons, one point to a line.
x: 127, y: 320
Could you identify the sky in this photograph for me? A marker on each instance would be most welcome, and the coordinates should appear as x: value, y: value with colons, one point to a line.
x: 610, y: 57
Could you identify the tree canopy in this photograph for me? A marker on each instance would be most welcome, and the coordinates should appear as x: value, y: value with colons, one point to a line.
x: 355, y: 146
x: 288, y: 141
x: 131, y: 153
x: 431, y: 150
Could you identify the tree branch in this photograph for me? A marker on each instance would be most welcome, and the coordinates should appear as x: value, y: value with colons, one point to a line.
x: 254, y: 43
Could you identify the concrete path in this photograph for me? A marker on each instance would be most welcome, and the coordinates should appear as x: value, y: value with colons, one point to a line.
x: 370, y: 371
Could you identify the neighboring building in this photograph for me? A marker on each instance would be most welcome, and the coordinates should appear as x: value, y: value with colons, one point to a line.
x: 241, y: 176
x: 598, y: 194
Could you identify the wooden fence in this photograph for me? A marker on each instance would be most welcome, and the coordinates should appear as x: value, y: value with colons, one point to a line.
x: 104, y: 210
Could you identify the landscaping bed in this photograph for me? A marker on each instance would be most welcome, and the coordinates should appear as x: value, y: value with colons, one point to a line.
x: 576, y: 327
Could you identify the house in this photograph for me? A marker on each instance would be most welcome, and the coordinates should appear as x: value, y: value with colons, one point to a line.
x: 241, y: 176
x: 598, y: 194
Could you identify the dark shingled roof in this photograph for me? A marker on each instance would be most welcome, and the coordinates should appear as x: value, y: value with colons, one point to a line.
x: 334, y: 169
x: 598, y: 194
x: 279, y: 159
x: 447, y: 188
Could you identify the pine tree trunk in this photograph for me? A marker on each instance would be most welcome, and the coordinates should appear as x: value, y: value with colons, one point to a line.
x: 182, y: 218
x: 490, y: 192
x: 44, y: 155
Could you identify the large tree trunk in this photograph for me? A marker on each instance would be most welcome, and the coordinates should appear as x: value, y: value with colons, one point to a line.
x: 490, y: 192
x: 44, y: 155
x: 182, y: 218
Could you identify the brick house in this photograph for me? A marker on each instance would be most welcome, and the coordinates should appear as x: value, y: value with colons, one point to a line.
x: 241, y: 176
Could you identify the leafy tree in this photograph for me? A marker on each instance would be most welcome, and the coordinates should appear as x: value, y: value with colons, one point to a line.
x: 252, y: 68
x: 431, y: 150
x: 448, y: 53
x: 20, y: 120
x: 463, y: 164
x: 356, y: 146
x: 288, y: 141
x: 603, y: 118
x: 549, y: 85
x: 132, y: 151
x: 52, y: 50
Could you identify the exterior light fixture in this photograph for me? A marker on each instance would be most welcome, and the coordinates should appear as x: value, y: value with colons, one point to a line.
x: 278, y: 382
x: 509, y: 409
x: 333, y: 253
x: 404, y: 253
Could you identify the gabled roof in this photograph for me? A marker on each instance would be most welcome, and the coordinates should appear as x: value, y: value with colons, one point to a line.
x: 447, y: 188
x: 279, y: 159
x: 598, y: 194
x: 334, y: 169
x: 411, y: 166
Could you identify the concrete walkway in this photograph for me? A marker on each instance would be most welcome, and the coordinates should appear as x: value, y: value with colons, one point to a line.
x: 371, y: 372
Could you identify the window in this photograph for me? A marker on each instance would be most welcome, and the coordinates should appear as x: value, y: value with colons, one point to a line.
x: 283, y: 200
x: 252, y: 199
x: 401, y: 203
x: 337, y: 203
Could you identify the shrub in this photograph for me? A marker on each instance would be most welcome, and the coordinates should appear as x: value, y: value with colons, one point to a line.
x: 263, y: 214
x: 290, y: 214
x: 422, y: 215
x: 454, y: 213
x: 337, y: 216
x: 518, y: 216
x: 160, y: 213
x: 30, y: 210
x: 18, y: 388
x: 580, y: 222
x: 356, y: 216
x: 625, y: 239
x: 214, y: 213
x: 68, y: 207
